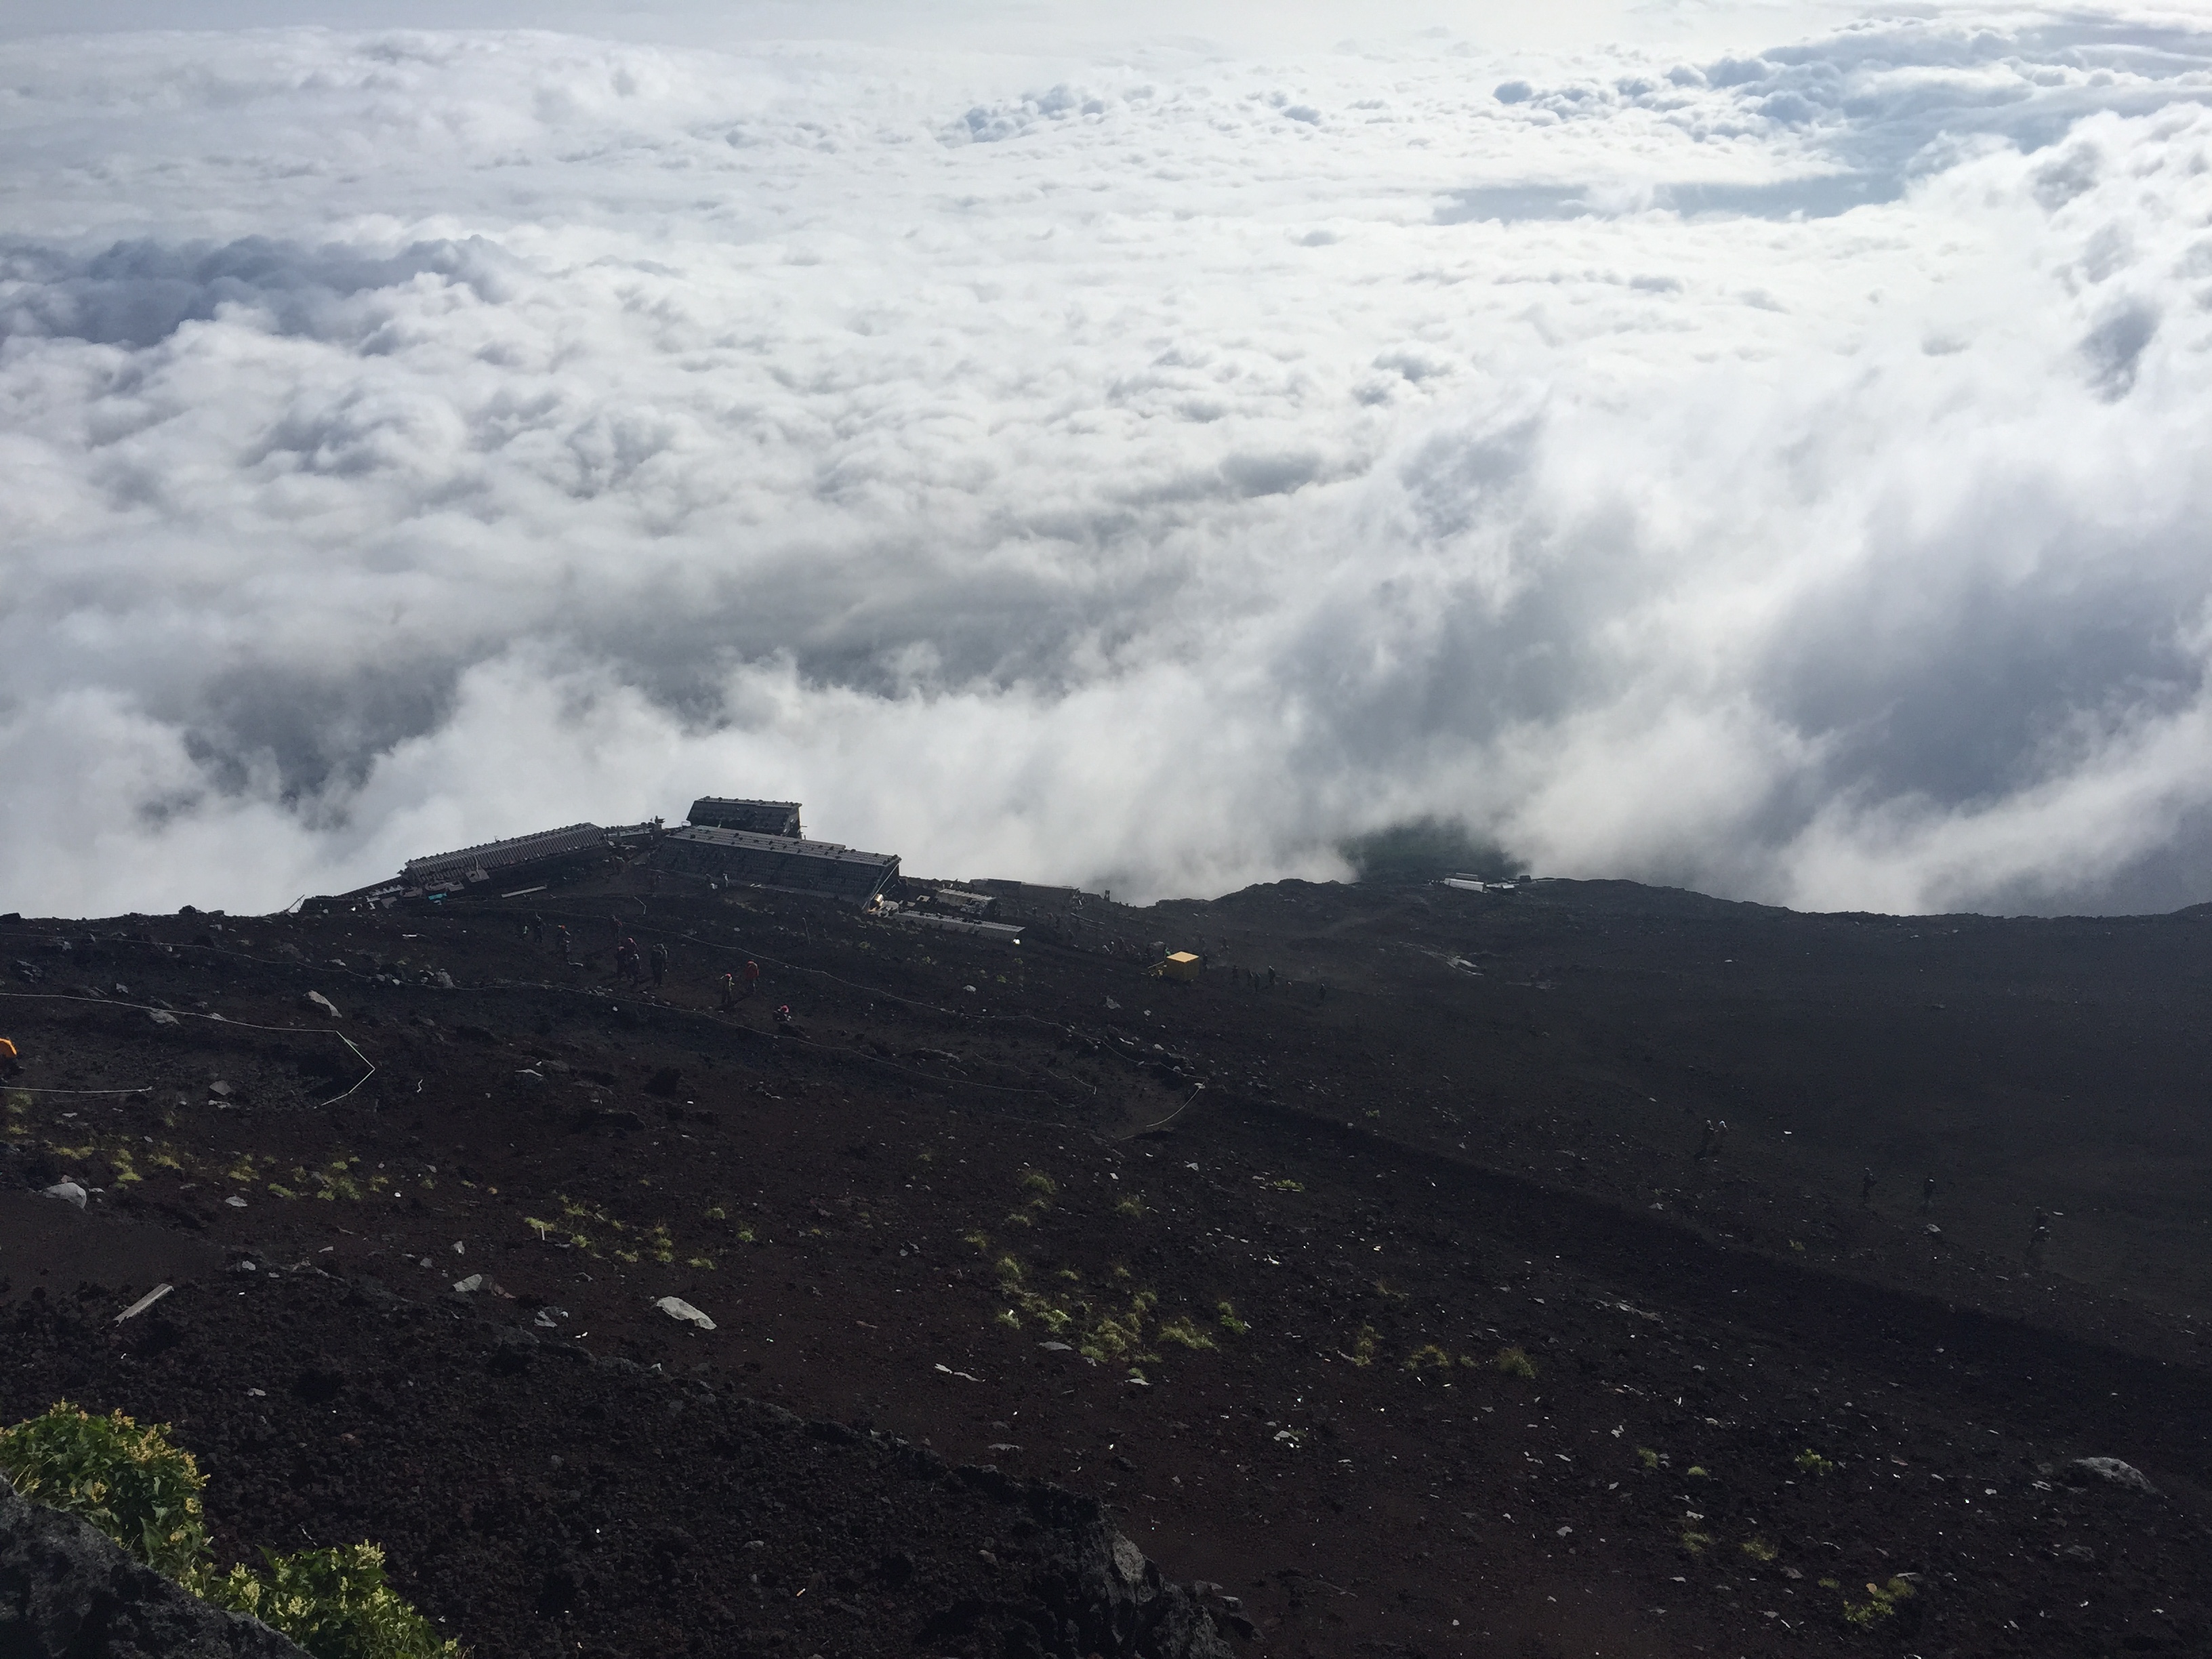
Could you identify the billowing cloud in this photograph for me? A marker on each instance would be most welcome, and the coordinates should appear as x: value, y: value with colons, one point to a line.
x: 1771, y: 471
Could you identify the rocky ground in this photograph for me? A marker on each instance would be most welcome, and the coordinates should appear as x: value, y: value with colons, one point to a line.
x: 1400, y: 1297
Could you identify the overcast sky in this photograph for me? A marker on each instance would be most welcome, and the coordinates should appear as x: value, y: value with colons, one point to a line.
x: 1757, y: 447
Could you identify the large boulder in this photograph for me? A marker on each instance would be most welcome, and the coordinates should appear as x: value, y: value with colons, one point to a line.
x: 67, y: 1593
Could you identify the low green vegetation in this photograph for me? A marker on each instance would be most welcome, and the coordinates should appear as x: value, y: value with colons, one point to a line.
x: 1515, y: 1362
x: 131, y: 1484
x: 1882, y: 1603
x: 128, y: 1482
x: 334, y: 1603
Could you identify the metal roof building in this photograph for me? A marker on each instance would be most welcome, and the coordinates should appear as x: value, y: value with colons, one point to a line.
x: 757, y: 818
x: 782, y: 862
x: 477, y: 863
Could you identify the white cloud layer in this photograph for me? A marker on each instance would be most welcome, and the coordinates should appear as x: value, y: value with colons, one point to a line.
x: 1778, y: 472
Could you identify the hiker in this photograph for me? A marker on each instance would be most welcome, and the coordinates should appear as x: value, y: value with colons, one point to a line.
x: 627, y: 962
x: 1271, y: 979
x: 2039, y: 1234
x: 562, y: 938
x: 783, y: 1015
x: 537, y: 926
x: 659, y: 965
x: 1720, y: 1136
x: 1928, y: 1194
x: 729, y: 994
x: 9, y: 1058
x: 1706, y: 1140
x: 752, y: 977
x: 1866, y: 1189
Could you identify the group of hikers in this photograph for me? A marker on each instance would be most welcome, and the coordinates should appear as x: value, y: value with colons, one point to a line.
x: 634, y: 967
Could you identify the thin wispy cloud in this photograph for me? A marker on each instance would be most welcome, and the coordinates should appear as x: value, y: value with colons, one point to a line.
x: 1773, y: 472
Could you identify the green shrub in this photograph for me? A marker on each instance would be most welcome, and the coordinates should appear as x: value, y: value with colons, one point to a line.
x: 334, y: 1603
x: 143, y: 1492
x: 127, y: 1481
x: 1515, y: 1362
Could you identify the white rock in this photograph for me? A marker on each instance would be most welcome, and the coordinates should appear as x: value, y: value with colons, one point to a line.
x: 236, y: 1202
x: 473, y: 1282
x: 677, y: 1307
x: 2119, y: 1474
x: 69, y: 1191
x: 317, y: 999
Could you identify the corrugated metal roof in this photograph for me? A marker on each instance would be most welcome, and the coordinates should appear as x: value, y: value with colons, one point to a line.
x: 779, y: 861
x: 504, y: 854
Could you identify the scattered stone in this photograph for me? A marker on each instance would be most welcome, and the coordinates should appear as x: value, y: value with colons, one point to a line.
x: 2119, y: 1474
x: 69, y: 1191
x: 677, y: 1307
x: 468, y: 1286
x: 316, y: 999
x: 236, y: 1201
x: 219, y: 1089
x: 1056, y: 1347
x: 162, y: 1016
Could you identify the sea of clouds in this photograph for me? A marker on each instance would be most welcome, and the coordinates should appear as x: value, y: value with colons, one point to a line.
x: 1779, y: 471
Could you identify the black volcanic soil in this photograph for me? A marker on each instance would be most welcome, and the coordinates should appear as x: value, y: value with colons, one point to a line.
x: 973, y: 1210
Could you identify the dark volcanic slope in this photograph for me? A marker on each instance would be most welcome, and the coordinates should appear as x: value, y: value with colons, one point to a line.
x: 975, y: 1198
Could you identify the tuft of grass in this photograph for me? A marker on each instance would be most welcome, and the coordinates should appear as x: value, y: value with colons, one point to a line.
x: 1882, y: 1603
x: 1759, y: 1549
x: 1427, y: 1357
x: 1226, y: 1315
x: 1515, y: 1362
x: 1286, y: 1185
x: 1812, y: 1464
x: 1131, y: 1207
x: 1697, y: 1542
x: 1651, y: 1460
x: 1362, y: 1350
x: 1698, y: 1471
x: 128, y: 1482
x: 1184, y: 1333
x: 1040, y: 1183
